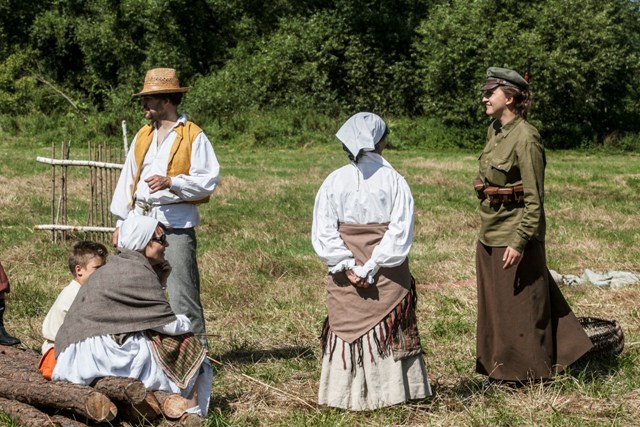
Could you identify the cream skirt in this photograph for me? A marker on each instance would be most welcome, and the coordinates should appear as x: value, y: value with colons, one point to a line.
x: 380, y: 381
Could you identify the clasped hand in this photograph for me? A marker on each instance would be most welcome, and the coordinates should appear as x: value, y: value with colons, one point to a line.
x: 360, y: 282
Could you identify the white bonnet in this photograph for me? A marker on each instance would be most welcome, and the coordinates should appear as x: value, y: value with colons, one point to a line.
x: 136, y: 231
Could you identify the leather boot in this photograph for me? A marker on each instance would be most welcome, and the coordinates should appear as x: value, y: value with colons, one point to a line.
x: 5, y: 338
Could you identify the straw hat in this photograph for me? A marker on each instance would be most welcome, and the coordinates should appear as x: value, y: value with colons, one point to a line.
x: 161, y: 80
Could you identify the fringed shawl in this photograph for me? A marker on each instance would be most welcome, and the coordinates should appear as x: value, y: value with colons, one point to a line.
x: 396, y: 334
x: 179, y: 356
x: 123, y: 296
x: 353, y: 311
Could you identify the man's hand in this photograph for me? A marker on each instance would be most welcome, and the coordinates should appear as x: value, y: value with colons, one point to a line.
x: 511, y: 257
x: 158, y: 182
x: 114, y: 237
x: 356, y: 280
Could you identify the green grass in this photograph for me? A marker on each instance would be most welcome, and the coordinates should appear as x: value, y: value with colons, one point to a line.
x: 263, y: 286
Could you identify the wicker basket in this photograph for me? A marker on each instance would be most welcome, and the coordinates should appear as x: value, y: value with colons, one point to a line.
x: 606, y: 335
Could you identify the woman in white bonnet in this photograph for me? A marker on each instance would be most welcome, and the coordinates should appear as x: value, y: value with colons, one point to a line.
x: 363, y: 230
x: 121, y: 324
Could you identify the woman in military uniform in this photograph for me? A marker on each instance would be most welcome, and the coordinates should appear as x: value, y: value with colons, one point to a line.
x: 526, y: 331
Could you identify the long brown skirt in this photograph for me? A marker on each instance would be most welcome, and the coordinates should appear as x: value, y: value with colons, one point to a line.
x: 525, y: 330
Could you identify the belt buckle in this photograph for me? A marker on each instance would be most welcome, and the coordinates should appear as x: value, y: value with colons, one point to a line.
x: 146, y: 207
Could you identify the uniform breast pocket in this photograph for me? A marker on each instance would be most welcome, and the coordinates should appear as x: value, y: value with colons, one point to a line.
x: 500, y: 171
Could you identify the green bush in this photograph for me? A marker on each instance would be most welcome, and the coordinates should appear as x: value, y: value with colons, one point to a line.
x: 310, y: 63
x: 582, y: 57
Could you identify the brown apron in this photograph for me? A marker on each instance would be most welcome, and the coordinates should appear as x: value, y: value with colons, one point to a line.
x: 353, y: 311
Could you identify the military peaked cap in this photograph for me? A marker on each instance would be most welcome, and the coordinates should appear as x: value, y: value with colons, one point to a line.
x: 497, y: 76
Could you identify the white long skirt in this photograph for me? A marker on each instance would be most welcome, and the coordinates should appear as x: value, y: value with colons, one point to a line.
x: 377, y: 383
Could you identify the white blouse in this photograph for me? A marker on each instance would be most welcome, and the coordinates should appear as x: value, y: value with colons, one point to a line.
x: 367, y: 192
x: 168, y: 207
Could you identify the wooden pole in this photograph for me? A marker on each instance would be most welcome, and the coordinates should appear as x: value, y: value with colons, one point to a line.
x: 64, y: 188
x: 82, y: 228
x: 90, y: 216
x: 101, y: 185
x: 53, y: 191
x: 124, y: 136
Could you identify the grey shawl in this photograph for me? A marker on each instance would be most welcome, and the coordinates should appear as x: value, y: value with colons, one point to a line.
x: 123, y: 296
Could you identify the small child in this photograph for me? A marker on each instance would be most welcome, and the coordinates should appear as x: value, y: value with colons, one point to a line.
x: 85, y: 258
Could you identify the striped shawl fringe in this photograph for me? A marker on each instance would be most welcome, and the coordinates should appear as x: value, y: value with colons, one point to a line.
x: 396, y: 334
x: 179, y: 356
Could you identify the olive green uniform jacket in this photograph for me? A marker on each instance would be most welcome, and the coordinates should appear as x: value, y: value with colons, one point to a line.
x: 513, y: 155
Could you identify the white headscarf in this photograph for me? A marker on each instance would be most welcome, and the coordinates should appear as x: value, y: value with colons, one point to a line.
x: 136, y: 231
x: 361, y: 132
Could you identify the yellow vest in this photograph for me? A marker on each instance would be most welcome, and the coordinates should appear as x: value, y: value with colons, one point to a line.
x: 179, y: 158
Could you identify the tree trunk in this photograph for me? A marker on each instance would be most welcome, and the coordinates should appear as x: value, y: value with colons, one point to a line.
x: 191, y: 420
x: 173, y: 405
x: 83, y: 401
x: 25, y: 415
x: 147, y: 410
x: 28, y: 358
x: 120, y: 388
x: 24, y: 360
x: 62, y: 421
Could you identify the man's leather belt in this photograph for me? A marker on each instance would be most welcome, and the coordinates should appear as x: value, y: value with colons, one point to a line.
x: 498, y: 195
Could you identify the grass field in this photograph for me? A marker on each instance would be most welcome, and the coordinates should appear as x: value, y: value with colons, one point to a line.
x: 263, y: 286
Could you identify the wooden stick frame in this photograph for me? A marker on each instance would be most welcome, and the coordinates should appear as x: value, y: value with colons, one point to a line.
x: 104, y: 163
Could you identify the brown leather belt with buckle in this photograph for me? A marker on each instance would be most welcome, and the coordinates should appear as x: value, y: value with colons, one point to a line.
x: 498, y: 195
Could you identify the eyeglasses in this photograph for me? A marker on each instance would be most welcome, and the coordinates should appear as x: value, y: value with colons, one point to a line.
x: 162, y: 239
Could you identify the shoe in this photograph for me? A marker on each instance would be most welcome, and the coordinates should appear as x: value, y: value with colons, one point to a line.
x: 6, y: 339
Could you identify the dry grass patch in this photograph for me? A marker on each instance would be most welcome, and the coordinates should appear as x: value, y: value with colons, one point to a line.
x: 432, y: 164
x: 596, y: 216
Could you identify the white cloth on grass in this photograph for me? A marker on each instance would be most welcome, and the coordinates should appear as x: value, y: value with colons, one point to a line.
x: 613, y: 279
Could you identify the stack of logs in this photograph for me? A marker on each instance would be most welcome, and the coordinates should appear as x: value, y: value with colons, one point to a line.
x: 32, y: 401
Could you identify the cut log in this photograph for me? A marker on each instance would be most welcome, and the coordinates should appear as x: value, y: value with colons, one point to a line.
x: 12, y: 369
x: 61, y: 421
x: 173, y: 405
x: 81, y: 400
x: 23, y: 358
x: 120, y: 388
x: 191, y: 420
x: 19, y: 351
x: 147, y: 410
x: 25, y: 415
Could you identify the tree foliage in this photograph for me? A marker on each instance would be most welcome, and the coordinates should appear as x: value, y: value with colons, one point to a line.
x: 400, y: 57
x: 581, y: 57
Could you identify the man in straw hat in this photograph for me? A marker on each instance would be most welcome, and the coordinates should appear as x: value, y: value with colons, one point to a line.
x: 170, y: 169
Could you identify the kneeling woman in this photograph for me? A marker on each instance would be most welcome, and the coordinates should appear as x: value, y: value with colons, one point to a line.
x: 121, y: 324
x: 363, y: 230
